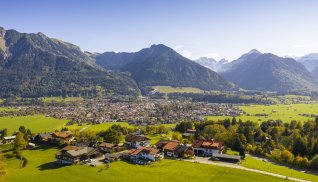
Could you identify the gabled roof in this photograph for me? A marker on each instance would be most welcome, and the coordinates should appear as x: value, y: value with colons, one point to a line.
x: 63, y: 134
x: 171, y: 145
x: 151, y: 151
x: 71, y: 147
x: 106, y: 145
x: 161, y: 143
x: 182, y: 148
x: 80, y: 151
x: 206, y: 144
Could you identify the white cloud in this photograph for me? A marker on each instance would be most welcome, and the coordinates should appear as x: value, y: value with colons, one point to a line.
x: 184, y: 52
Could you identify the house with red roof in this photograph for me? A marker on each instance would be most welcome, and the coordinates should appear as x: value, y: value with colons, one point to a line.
x: 175, y: 149
x: 63, y: 136
x: 206, y: 147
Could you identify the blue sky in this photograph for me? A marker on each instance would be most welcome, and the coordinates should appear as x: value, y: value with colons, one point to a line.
x: 220, y: 29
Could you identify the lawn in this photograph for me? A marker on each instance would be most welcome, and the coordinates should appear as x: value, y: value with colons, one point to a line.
x: 37, y: 123
x: 41, y: 167
x: 285, y: 113
x: 250, y: 162
x: 169, y: 89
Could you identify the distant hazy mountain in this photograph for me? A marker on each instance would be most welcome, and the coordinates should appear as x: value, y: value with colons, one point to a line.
x: 161, y: 65
x: 310, y: 61
x: 315, y: 73
x: 268, y: 72
x: 33, y: 65
x: 212, y: 64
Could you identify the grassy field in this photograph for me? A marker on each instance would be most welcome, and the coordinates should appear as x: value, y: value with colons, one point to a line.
x: 37, y: 123
x: 60, y: 99
x: 98, y: 127
x: 250, y: 162
x: 8, y: 109
x: 41, y: 167
x: 169, y: 89
x: 285, y: 113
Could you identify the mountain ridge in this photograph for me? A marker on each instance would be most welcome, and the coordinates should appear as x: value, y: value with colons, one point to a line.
x: 161, y: 65
x: 33, y: 65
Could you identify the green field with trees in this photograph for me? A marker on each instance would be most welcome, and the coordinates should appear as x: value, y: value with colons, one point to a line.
x: 41, y: 167
x: 286, y: 113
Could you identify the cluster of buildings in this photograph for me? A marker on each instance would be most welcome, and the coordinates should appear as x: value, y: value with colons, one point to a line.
x: 136, y: 112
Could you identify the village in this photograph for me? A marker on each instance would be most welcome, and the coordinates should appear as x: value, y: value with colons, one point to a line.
x: 135, y: 149
x: 140, y: 112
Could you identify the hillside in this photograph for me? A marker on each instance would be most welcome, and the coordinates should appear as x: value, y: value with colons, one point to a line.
x: 315, y: 73
x: 310, y: 61
x: 268, y: 72
x: 161, y: 65
x: 33, y: 65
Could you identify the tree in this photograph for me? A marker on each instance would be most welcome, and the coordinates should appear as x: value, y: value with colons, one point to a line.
x: 19, y: 144
x: 237, y: 144
x: 176, y: 136
x: 184, y: 126
x: 300, y: 146
x: 112, y: 136
x: 234, y: 122
x: 227, y: 123
x: 287, y: 156
x: 314, y: 162
x: 216, y: 131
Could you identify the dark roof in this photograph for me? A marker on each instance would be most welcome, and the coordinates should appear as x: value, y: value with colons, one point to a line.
x: 112, y: 155
x: 182, y: 148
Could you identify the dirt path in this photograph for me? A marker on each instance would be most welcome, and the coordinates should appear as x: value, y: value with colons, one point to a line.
x: 84, y: 128
x: 204, y: 160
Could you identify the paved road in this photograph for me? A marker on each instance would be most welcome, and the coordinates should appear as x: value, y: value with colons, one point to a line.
x: 205, y: 160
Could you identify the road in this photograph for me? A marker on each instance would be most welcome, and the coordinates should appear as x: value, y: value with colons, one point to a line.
x: 205, y: 160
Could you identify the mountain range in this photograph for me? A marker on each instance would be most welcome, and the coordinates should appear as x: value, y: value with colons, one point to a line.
x: 161, y: 65
x: 34, y: 65
x: 268, y: 72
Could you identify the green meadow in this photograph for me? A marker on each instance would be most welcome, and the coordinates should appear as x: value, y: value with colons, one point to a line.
x: 60, y: 99
x: 36, y: 123
x: 41, y: 167
x: 97, y: 127
x: 285, y: 113
x: 253, y: 163
x: 169, y: 89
